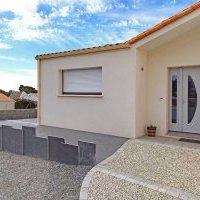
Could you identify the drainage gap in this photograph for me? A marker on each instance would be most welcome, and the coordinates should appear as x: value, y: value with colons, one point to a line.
x: 189, y: 140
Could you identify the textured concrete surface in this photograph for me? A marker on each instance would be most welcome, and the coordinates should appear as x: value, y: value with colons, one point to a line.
x: 104, y: 186
x: 176, y: 166
x: 23, y: 178
x: 147, y: 168
x: 19, y: 123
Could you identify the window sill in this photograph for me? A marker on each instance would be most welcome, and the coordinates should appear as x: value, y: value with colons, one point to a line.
x: 89, y: 96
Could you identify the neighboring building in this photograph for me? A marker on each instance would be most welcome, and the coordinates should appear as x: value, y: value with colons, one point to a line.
x: 23, y: 95
x: 120, y: 89
x: 6, y: 103
x: 16, y: 95
x: 31, y: 97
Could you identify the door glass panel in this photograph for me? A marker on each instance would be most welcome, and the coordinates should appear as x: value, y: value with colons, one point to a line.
x: 192, y: 99
x: 174, y: 98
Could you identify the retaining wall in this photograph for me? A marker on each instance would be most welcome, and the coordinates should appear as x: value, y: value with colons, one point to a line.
x: 18, y: 114
x: 24, y: 142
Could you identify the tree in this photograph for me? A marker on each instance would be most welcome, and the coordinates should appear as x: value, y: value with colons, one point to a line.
x: 4, y: 92
x: 27, y: 89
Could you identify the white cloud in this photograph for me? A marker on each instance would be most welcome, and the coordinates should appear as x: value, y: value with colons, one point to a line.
x: 20, y: 8
x: 62, y: 12
x: 12, y: 80
x: 4, y: 45
x: 129, y: 22
x: 96, y: 6
x: 28, y: 24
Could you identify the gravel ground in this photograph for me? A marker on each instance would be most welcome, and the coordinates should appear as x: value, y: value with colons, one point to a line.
x: 106, y: 187
x: 26, y: 178
x: 173, y: 166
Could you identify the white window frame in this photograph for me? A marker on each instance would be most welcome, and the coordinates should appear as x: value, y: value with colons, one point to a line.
x: 81, y: 93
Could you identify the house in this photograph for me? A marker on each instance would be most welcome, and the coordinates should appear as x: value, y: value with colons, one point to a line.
x: 120, y: 89
x: 31, y: 97
x: 23, y: 95
x: 6, y: 103
x: 16, y: 95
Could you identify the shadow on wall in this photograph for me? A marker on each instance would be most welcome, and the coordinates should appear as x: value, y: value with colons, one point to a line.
x: 25, y: 142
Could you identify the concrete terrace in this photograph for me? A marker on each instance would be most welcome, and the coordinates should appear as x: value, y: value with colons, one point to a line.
x: 147, y: 168
x: 106, y: 145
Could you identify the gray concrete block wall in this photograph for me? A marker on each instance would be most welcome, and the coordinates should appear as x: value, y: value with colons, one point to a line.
x: 61, y: 152
x: 40, y: 148
x: 25, y: 142
x: 87, y: 153
x: 12, y: 140
x: 1, y: 142
x: 18, y: 114
x: 32, y: 145
x: 28, y: 134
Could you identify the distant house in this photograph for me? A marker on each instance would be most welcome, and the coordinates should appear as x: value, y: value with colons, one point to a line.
x: 17, y: 95
x: 6, y: 103
x: 31, y: 97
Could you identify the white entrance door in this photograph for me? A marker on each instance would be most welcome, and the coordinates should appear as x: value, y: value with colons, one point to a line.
x: 185, y: 100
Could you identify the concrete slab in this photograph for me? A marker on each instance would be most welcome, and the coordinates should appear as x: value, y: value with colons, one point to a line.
x: 1, y: 139
x: 87, y: 153
x: 105, y: 145
x: 28, y: 134
x: 61, y: 152
x: 12, y: 140
x: 19, y: 123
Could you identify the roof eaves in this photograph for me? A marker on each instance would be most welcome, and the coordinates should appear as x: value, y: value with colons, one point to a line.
x: 107, y: 47
x: 164, y: 23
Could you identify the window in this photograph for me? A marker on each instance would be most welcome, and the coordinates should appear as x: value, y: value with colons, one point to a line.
x: 82, y: 81
x: 174, y: 99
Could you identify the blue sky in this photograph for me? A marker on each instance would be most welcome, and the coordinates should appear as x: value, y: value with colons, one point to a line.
x: 31, y: 27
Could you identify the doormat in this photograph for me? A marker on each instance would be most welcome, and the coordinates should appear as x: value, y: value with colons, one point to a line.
x: 189, y: 140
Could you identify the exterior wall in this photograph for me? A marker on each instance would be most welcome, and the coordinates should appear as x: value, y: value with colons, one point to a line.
x: 181, y: 52
x: 7, y: 105
x: 112, y: 113
x: 18, y: 114
x: 141, y: 71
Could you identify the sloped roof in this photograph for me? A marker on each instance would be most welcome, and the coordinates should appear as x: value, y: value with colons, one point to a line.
x: 165, y: 23
x: 15, y: 94
x: 3, y: 97
x: 106, y: 47
x: 126, y: 44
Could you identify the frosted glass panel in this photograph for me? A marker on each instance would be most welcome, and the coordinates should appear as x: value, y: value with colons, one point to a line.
x: 82, y: 81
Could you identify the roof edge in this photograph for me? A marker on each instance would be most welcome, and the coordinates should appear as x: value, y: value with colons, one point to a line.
x: 164, y: 23
x: 108, y: 47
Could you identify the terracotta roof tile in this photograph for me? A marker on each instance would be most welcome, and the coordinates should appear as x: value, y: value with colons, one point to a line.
x: 133, y: 40
x: 106, y: 47
x: 3, y: 97
x: 164, y: 23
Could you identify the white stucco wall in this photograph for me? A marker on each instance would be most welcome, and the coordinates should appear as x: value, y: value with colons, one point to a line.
x: 7, y: 105
x: 141, y: 76
x: 180, y: 52
x: 112, y: 114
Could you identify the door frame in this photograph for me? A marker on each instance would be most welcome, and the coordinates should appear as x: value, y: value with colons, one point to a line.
x: 179, y: 127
